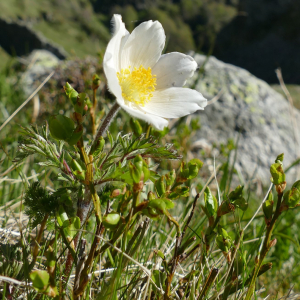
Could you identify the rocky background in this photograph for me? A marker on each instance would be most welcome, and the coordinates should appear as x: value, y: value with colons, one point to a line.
x: 257, y: 35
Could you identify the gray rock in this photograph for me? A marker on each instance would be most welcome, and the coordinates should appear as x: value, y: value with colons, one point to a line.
x: 40, y: 63
x: 248, y: 107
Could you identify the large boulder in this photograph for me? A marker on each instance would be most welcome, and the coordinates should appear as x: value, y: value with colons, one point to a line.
x: 249, y: 108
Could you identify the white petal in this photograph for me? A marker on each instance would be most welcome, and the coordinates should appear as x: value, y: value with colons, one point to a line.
x: 173, y: 69
x: 158, y: 122
x: 144, y: 46
x: 175, y: 102
x: 111, y: 60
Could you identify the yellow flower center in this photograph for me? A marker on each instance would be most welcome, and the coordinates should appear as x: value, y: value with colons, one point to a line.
x: 137, y: 85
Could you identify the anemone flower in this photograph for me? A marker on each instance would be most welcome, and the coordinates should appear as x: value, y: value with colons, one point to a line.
x: 146, y: 84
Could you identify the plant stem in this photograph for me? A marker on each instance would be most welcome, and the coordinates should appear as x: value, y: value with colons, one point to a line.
x: 92, y: 111
x: 265, y: 249
x: 38, y: 240
x: 106, y: 122
x: 208, y: 283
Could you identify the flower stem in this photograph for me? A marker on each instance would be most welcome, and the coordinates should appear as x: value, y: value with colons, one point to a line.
x: 92, y: 112
x: 105, y: 123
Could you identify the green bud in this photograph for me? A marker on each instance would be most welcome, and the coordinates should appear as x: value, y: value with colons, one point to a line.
x: 236, y: 194
x: 160, y: 186
x: 151, y: 196
x: 221, y: 231
x: 278, y: 176
x: 96, y: 82
x: 136, y: 127
x: 268, y: 208
x: 97, y: 147
x: 77, y: 169
x: 138, y: 162
x: 223, y: 239
x: 241, y: 204
x: 194, y: 166
x: 135, y: 173
x: 170, y: 178
x: 279, y: 158
x: 184, y: 173
x: 146, y: 171
x: 71, y: 93
x: 225, y: 208
x: 111, y: 220
x: 80, y: 103
x: 160, y: 254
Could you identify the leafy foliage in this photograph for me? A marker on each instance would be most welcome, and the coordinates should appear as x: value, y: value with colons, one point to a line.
x: 38, y: 203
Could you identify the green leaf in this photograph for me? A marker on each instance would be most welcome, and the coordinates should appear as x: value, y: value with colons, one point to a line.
x: 211, y: 203
x: 194, y: 166
x: 236, y: 194
x: 40, y: 279
x: 241, y: 203
x: 180, y: 191
x: 160, y: 186
x: 61, y: 216
x: 61, y: 127
x: 292, y: 197
x: 75, y: 136
x: 169, y: 203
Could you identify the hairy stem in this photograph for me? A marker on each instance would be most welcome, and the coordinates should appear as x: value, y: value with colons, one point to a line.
x: 92, y: 112
x: 105, y: 124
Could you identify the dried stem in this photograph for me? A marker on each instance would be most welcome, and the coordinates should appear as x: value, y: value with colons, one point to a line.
x: 38, y: 239
x: 265, y: 248
x: 177, y: 255
x: 208, y: 283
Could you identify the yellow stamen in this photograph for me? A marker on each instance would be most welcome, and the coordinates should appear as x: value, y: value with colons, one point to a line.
x: 137, y: 85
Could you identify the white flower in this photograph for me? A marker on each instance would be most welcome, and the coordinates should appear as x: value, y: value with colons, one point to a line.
x: 146, y: 84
